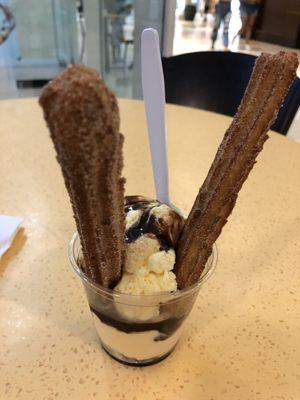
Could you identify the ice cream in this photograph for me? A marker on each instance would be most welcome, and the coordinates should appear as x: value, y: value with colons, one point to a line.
x: 147, y: 269
x: 152, y: 231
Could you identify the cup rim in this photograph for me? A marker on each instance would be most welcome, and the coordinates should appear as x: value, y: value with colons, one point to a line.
x: 208, y: 271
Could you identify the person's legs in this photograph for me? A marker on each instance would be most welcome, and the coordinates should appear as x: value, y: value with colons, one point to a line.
x: 206, y: 9
x: 249, y: 27
x: 242, y: 31
x: 226, y: 29
x: 216, y: 28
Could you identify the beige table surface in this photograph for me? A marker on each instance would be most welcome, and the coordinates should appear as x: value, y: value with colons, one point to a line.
x: 242, y: 339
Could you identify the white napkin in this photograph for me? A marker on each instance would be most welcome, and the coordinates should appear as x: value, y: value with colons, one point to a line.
x: 9, y: 227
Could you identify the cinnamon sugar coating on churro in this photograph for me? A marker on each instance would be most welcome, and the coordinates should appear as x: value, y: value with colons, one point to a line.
x: 83, y: 118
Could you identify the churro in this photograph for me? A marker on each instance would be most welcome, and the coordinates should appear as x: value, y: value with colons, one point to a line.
x: 83, y: 118
x: 270, y: 81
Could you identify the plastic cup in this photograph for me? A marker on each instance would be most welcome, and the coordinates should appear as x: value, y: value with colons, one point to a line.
x: 138, y: 329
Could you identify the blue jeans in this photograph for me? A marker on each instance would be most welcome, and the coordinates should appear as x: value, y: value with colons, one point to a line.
x: 223, y: 14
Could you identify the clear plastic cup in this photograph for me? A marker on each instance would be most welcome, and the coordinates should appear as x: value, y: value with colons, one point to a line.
x: 138, y: 330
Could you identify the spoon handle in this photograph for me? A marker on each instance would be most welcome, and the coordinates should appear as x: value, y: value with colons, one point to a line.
x: 154, y: 99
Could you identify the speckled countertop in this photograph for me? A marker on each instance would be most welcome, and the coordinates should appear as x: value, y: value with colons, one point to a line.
x: 242, y: 339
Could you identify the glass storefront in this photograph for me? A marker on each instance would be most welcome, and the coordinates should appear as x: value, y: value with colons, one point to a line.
x: 115, y: 50
x: 49, y: 35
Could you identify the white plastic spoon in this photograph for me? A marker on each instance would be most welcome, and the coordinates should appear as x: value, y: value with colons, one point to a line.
x: 154, y: 99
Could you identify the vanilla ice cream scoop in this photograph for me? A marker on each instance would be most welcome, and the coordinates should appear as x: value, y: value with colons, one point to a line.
x: 152, y: 232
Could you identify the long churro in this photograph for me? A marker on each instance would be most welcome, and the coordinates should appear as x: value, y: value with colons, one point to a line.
x: 83, y: 118
x: 268, y: 86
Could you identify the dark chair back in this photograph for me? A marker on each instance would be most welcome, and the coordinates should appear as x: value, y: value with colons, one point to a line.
x: 216, y: 81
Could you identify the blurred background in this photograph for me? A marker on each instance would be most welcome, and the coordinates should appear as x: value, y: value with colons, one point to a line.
x: 40, y: 38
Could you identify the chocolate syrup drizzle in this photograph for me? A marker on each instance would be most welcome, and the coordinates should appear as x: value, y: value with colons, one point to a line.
x: 166, y: 234
x: 165, y: 327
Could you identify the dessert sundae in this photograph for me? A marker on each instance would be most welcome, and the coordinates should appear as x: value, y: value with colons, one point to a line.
x: 142, y: 263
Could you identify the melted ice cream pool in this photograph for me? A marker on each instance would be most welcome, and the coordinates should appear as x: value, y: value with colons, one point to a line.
x: 136, y: 345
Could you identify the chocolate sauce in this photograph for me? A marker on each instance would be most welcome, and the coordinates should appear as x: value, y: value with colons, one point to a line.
x: 148, y: 224
x: 139, y: 203
x: 165, y: 327
x: 166, y: 233
x: 134, y: 361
